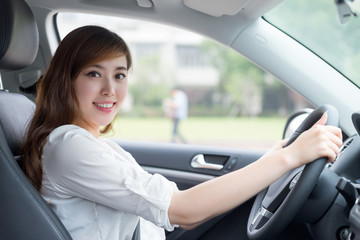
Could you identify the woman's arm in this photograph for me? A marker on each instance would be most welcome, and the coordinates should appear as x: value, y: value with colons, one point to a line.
x: 214, y: 197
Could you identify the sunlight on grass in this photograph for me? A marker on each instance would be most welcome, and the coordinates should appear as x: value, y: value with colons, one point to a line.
x: 238, y: 132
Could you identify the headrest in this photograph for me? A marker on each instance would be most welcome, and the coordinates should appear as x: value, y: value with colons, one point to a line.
x: 19, y: 37
x: 16, y: 112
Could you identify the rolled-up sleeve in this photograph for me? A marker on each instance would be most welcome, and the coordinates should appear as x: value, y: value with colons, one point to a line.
x: 82, y: 166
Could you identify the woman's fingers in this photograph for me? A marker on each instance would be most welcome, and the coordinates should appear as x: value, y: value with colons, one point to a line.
x: 319, y: 141
x: 329, y: 138
x: 323, y: 119
x: 336, y: 131
x: 331, y: 129
x: 334, y: 141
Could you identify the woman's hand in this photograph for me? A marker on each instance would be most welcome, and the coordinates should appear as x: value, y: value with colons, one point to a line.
x: 317, y: 142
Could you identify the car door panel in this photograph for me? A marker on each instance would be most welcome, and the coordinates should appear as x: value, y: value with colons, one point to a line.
x: 174, y: 162
x: 179, y: 156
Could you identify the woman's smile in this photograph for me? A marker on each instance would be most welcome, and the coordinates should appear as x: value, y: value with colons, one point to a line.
x: 106, y: 107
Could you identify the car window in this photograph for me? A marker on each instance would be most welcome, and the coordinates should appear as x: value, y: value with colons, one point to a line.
x: 231, y: 102
x: 332, y: 38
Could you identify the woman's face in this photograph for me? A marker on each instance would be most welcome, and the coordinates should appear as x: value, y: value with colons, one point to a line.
x: 100, y: 89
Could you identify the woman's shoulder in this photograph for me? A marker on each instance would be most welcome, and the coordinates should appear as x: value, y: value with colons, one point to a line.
x: 70, y: 138
x: 68, y: 143
x: 68, y: 131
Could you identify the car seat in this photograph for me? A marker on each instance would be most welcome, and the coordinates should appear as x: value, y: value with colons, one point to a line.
x: 24, y: 214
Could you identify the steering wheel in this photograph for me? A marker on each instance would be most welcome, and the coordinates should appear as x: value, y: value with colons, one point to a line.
x: 275, y: 207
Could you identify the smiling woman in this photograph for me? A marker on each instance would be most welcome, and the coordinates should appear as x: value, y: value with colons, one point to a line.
x: 56, y: 108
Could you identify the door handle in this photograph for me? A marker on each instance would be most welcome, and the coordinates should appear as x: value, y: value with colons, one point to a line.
x: 199, y: 162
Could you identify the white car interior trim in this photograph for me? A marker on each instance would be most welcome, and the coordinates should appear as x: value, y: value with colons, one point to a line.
x: 217, y: 8
x: 179, y: 174
x: 144, y: 3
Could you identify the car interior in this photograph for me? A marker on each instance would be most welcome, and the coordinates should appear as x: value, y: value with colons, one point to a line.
x: 19, y: 41
x: 323, y: 204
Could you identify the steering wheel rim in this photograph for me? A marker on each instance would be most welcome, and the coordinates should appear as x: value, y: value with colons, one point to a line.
x: 266, y: 225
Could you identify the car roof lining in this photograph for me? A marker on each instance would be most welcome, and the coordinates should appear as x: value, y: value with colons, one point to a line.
x: 217, y: 8
x: 223, y: 29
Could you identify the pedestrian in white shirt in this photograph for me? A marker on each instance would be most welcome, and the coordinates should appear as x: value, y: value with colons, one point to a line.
x: 97, y: 189
x: 179, y: 107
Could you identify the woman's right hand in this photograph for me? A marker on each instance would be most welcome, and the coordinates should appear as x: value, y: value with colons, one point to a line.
x: 317, y: 142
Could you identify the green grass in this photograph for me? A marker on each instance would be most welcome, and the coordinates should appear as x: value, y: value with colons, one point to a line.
x: 251, y: 132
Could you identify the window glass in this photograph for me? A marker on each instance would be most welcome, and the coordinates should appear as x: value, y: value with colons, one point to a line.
x: 322, y: 30
x: 231, y: 102
x: 190, y: 56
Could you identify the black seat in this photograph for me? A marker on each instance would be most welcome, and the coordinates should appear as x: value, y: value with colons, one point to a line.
x: 23, y: 212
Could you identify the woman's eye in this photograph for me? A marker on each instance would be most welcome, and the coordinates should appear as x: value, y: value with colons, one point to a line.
x: 93, y: 74
x: 120, y: 76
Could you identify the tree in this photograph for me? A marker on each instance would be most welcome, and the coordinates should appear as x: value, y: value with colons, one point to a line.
x: 240, y: 81
x: 149, y: 87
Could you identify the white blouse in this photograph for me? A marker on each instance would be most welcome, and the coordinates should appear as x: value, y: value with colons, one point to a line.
x: 99, y: 191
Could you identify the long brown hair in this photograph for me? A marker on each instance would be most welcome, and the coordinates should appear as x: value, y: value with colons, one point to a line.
x: 56, y: 103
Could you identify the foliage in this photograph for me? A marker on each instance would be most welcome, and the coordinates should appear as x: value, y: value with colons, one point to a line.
x: 242, y: 84
x: 149, y: 87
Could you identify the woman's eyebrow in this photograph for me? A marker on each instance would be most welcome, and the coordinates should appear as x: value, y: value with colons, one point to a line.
x: 121, y: 68
x: 101, y: 67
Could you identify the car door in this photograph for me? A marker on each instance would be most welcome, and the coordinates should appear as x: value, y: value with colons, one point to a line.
x: 189, y: 165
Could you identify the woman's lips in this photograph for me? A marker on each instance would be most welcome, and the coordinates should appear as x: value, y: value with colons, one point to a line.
x: 104, y: 106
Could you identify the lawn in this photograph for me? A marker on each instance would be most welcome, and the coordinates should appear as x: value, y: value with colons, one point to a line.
x: 239, y: 132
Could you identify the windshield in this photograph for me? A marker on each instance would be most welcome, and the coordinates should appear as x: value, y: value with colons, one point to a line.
x: 316, y: 25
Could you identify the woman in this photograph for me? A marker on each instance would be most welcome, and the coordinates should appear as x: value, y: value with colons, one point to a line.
x: 96, y: 188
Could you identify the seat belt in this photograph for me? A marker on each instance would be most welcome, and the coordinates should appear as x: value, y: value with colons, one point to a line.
x: 136, y: 235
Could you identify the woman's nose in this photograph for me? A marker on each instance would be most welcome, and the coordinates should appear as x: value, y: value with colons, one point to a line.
x: 108, y: 88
